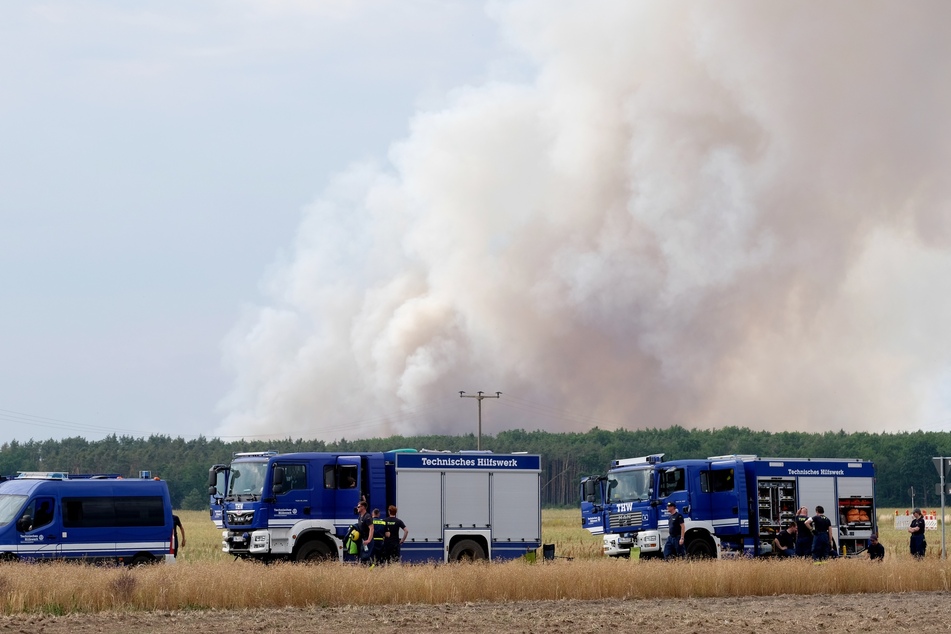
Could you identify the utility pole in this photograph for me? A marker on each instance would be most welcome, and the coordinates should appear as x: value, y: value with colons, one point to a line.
x: 943, y: 465
x: 479, y: 396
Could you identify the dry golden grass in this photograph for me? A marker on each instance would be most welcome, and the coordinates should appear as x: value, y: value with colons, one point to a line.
x: 205, y: 578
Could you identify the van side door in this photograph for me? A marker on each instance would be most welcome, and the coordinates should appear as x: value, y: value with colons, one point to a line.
x: 37, y: 529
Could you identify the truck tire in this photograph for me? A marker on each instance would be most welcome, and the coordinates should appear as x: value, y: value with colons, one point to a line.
x: 142, y: 559
x: 314, y: 550
x: 701, y: 548
x: 467, y: 550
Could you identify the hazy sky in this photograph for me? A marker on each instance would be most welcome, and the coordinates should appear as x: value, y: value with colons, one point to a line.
x: 324, y: 219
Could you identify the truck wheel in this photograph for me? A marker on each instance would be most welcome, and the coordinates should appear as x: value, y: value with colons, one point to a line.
x: 467, y: 550
x: 315, y: 550
x: 701, y: 548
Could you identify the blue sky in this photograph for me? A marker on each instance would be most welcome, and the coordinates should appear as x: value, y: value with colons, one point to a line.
x: 324, y: 219
x: 154, y: 161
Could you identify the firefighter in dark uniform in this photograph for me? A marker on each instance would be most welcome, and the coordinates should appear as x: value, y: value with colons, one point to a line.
x: 803, y: 533
x: 379, y: 534
x: 875, y: 550
x: 393, y: 542
x: 822, y: 534
x: 675, y: 534
x: 917, y: 530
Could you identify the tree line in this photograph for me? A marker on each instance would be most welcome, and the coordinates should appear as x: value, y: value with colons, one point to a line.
x: 903, y: 460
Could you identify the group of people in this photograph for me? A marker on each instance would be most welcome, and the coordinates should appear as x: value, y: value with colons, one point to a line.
x: 812, y: 537
x: 380, y: 540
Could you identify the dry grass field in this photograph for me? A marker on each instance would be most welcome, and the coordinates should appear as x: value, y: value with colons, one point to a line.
x: 579, y: 591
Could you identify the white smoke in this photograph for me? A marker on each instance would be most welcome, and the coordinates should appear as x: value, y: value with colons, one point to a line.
x: 704, y: 214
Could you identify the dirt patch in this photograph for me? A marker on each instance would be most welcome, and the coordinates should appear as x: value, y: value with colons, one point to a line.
x: 921, y: 612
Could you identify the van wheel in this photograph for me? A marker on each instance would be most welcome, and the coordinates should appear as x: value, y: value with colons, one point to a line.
x: 467, y: 550
x: 142, y: 559
x: 313, y: 551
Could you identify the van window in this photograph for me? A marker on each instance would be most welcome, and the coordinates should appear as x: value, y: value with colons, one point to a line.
x: 96, y: 512
x: 40, y: 511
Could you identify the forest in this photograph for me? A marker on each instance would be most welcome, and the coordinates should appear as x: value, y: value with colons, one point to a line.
x: 903, y: 461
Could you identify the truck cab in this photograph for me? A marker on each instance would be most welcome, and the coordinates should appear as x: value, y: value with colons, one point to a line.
x: 294, y: 506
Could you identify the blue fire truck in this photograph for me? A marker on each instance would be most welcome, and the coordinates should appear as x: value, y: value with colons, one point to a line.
x: 298, y: 506
x: 731, y: 505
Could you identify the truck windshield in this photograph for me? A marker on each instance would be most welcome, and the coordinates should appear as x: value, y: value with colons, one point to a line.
x: 10, y: 507
x: 629, y: 486
x: 247, y: 479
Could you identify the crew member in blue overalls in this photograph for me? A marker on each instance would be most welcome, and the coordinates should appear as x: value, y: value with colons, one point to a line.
x: 675, y: 536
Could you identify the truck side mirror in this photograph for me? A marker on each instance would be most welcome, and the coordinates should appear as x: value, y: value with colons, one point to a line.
x: 278, y: 480
x: 591, y: 491
x: 212, y: 490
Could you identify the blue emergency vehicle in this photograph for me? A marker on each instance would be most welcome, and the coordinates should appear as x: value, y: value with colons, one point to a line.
x: 298, y: 506
x: 734, y: 504
x: 53, y: 516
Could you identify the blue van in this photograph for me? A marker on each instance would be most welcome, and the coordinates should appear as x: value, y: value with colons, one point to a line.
x: 126, y: 521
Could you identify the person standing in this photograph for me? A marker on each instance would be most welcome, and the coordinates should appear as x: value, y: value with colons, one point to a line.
x: 822, y: 534
x: 379, y: 534
x: 803, y: 533
x: 875, y: 550
x: 176, y: 527
x: 675, y: 534
x: 393, y: 543
x: 365, y: 525
x: 784, y: 544
x: 917, y: 530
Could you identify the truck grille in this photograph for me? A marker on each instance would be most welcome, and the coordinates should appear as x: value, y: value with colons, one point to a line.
x: 240, y: 518
x: 622, y: 520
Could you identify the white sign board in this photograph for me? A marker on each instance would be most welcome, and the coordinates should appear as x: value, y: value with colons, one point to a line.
x: 902, y: 522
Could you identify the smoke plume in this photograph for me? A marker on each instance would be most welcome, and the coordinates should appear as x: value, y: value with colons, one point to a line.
x: 703, y: 214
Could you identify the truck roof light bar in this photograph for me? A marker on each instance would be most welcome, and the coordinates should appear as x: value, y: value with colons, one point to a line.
x: 42, y: 475
x: 653, y: 458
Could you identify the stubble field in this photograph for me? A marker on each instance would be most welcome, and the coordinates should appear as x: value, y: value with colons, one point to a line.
x: 207, y: 591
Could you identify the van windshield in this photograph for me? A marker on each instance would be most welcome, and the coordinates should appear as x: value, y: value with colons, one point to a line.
x: 10, y: 507
x: 247, y: 479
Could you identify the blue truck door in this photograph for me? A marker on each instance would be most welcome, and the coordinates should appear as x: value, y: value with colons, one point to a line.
x: 292, y: 493
x: 592, y: 505
x: 38, y: 530
x: 729, y: 510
